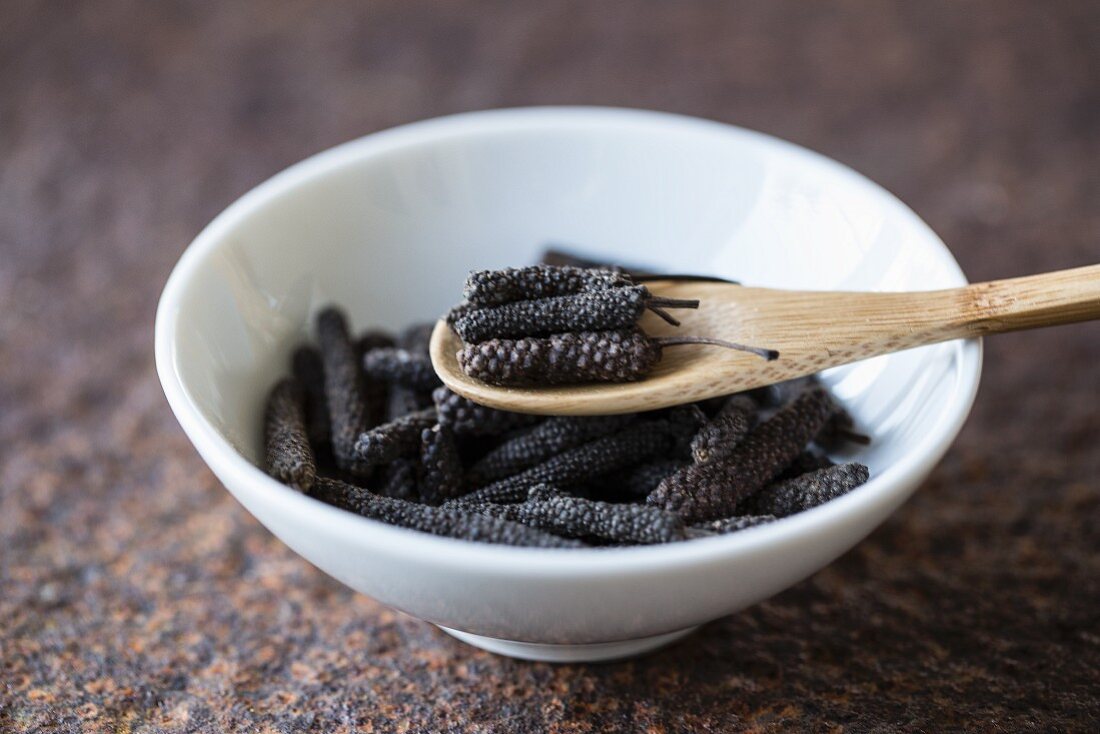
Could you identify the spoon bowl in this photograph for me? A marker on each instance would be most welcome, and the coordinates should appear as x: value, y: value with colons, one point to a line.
x: 811, y: 331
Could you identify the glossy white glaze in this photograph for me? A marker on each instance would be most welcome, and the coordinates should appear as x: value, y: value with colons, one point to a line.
x: 387, y: 227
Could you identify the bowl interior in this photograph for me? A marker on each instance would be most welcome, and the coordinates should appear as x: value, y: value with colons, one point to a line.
x: 387, y: 227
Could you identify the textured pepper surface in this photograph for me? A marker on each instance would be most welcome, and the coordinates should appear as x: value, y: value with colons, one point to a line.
x: 728, y: 525
x: 713, y: 489
x: 399, y: 366
x: 344, y: 389
x: 399, y: 437
x: 721, y: 434
x: 549, y: 509
x: 458, y: 311
x: 451, y: 522
x: 806, y: 491
x: 579, y: 477
x: 467, y: 418
x: 544, y: 440
x: 494, y: 287
x: 287, y: 453
x: 562, y: 359
x: 440, y: 465
x: 309, y: 371
x: 605, y: 310
x: 606, y: 454
x: 399, y: 479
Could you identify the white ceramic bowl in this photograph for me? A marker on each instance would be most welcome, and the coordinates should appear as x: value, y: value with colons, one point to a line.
x: 387, y: 226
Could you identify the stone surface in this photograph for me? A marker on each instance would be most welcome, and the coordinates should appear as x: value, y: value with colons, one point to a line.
x: 136, y: 595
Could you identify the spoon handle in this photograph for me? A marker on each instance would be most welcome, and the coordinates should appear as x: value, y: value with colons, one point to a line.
x: 1049, y: 299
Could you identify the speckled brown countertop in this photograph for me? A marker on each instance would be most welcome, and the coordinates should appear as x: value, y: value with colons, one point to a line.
x: 136, y: 595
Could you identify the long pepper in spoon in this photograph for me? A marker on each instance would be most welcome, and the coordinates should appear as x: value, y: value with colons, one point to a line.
x: 811, y: 330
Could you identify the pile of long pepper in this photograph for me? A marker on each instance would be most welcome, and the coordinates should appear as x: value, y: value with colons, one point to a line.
x: 364, y: 424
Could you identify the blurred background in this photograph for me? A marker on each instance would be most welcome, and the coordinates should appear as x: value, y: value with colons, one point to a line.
x: 136, y: 595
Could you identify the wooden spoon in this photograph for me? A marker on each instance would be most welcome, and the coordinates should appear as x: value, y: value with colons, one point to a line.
x: 812, y: 330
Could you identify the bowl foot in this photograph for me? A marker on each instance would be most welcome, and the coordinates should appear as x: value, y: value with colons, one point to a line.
x: 588, y: 653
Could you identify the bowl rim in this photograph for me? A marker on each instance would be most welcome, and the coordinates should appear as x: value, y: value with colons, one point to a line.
x: 232, y: 468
